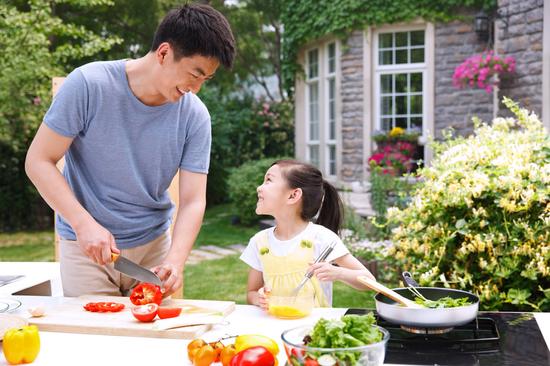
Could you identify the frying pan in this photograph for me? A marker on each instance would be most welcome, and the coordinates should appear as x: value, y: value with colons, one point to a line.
x: 414, y: 317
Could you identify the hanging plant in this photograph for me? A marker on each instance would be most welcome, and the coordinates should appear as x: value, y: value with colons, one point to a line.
x: 480, y: 71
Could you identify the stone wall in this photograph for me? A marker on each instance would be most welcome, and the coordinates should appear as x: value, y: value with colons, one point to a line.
x: 454, y: 43
x: 351, y: 94
x: 521, y: 38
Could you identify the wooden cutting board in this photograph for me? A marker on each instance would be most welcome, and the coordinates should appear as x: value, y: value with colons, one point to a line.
x: 70, y: 317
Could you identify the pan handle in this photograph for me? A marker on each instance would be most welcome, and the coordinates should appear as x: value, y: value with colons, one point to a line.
x: 378, y: 287
x: 408, y: 279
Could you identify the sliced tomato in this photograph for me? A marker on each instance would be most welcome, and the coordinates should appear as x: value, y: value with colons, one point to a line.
x: 165, y: 312
x: 91, y: 306
x: 145, y: 313
x: 146, y: 293
x: 112, y: 307
x: 104, y: 307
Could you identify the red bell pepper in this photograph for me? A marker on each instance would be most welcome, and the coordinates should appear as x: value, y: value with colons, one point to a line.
x: 146, y: 293
x: 253, y: 356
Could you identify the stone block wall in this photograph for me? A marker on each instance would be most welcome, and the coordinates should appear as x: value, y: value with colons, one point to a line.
x: 454, y: 43
x: 352, y: 102
x: 521, y: 38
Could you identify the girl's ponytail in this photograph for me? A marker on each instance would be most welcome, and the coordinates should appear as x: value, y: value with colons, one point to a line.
x: 331, y: 213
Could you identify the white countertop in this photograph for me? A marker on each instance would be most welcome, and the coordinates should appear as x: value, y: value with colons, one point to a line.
x: 85, y: 349
x: 40, y: 278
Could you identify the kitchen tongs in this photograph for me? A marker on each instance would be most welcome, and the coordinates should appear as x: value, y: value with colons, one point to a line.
x: 324, y: 254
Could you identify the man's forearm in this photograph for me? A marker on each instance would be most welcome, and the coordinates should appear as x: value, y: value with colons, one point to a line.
x: 53, y: 187
x: 187, y: 227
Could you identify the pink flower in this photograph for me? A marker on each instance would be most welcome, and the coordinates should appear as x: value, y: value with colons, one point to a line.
x: 477, y: 70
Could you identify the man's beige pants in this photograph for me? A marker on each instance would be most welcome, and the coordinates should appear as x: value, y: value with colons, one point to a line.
x: 81, y: 276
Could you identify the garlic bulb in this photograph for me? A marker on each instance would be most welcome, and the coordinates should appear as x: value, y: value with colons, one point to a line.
x: 37, y: 311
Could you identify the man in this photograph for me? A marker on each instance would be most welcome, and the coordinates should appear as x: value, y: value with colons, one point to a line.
x: 125, y: 128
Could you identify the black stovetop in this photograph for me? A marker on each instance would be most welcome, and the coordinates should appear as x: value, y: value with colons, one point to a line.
x: 494, y: 338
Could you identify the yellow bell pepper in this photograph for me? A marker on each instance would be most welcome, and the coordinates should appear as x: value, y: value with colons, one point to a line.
x: 246, y: 341
x: 21, y: 345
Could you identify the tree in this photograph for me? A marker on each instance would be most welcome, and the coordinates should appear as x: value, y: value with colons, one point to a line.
x: 28, y: 61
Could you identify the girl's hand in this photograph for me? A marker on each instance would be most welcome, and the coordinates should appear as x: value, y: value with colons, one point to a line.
x: 325, y: 271
x: 263, y: 295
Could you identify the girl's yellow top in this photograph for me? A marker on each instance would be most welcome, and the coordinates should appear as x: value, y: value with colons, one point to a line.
x: 283, y: 273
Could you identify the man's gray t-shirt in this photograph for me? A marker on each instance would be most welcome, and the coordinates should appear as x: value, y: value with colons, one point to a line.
x: 125, y: 154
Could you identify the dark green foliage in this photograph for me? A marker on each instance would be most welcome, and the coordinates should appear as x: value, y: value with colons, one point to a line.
x: 242, y: 183
x: 36, y: 46
x: 244, y: 129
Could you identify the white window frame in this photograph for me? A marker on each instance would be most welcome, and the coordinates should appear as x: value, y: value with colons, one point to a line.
x: 328, y: 141
x: 309, y: 81
x: 324, y: 143
x: 419, y: 67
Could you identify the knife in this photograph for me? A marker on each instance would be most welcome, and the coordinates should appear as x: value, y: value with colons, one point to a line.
x: 134, y: 270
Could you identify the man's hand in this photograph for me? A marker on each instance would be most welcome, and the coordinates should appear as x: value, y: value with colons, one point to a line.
x: 171, y: 277
x: 96, y: 242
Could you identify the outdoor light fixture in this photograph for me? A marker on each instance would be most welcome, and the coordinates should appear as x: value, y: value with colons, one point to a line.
x: 481, y: 26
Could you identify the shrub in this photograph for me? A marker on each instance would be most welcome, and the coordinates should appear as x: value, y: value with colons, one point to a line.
x: 242, y: 184
x: 481, y: 219
x: 244, y: 129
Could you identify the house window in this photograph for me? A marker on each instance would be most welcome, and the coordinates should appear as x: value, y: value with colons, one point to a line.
x: 400, y: 70
x: 321, y: 101
x: 313, y: 105
x: 331, y: 104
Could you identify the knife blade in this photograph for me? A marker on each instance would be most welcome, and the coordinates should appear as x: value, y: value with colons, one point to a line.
x: 134, y: 270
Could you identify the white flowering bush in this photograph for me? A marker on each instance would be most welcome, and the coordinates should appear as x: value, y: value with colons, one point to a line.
x: 481, y: 219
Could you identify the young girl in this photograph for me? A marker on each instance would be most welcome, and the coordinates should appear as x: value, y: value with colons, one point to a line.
x: 279, y: 257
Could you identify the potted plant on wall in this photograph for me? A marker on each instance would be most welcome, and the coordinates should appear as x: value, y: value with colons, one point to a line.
x: 483, y: 71
x: 396, y: 151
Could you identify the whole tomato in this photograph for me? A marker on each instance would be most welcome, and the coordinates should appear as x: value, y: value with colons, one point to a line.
x: 204, y: 356
x: 218, y: 347
x: 227, y: 354
x: 146, y: 293
x: 193, y: 347
x: 254, y: 356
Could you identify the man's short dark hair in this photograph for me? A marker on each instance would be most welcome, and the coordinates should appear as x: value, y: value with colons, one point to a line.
x: 197, y: 29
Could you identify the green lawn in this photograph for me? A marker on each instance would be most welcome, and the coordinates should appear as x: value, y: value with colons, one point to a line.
x: 210, y: 280
x: 27, y: 247
x: 39, y: 246
x: 221, y: 279
x: 217, y: 228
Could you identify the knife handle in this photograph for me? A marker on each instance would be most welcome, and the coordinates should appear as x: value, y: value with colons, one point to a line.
x: 114, y: 257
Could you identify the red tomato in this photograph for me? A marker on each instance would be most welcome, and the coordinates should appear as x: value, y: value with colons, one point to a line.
x: 145, y: 313
x: 253, y: 356
x: 146, y: 293
x: 104, y: 307
x: 91, y: 306
x: 311, y: 362
x: 299, y: 353
x: 164, y: 312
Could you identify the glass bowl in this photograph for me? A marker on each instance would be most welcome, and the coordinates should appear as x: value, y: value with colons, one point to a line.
x: 8, y: 305
x: 290, y: 307
x: 299, y: 354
